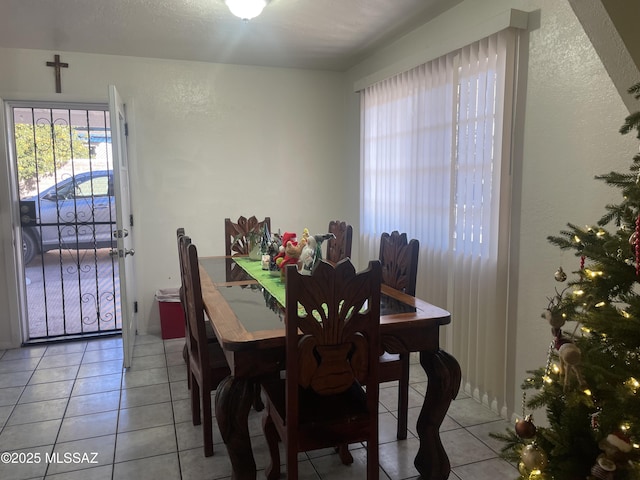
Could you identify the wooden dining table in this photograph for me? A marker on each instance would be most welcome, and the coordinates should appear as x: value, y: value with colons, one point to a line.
x: 249, y: 324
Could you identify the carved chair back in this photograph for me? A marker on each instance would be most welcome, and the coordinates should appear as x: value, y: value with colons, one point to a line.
x: 399, y: 260
x: 339, y: 247
x: 237, y: 235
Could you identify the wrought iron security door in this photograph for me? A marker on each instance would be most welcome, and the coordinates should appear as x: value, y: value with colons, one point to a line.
x: 67, y: 209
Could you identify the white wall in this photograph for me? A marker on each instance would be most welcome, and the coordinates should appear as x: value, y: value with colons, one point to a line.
x: 570, y: 113
x: 208, y: 141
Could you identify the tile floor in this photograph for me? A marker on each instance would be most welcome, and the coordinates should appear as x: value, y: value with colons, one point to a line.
x: 69, y: 411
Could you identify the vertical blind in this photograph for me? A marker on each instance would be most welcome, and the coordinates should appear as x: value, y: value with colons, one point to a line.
x: 435, y: 163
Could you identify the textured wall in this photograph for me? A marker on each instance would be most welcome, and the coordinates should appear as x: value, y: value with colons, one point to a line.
x: 207, y: 141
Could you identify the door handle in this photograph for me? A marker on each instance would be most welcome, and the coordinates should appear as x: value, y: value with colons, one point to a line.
x: 118, y: 253
x: 121, y: 233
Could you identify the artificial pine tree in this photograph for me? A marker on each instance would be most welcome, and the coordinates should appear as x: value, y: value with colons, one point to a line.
x: 590, y: 385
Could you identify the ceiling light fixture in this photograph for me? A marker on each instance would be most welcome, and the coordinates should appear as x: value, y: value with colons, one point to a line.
x: 246, y: 9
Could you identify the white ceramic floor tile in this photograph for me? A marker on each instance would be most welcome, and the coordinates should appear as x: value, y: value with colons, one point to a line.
x: 96, y: 473
x: 93, y: 403
x: 396, y: 458
x: 104, y: 343
x: 148, y: 361
x: 146, y: 416
x: 5, y: 411
x: 102, y: 355
x: 24, y: 353
x: 492, y: 469
x: 463, y: 448
x: 195, y: 466
x: 107, y: 367
x: 24, y: 436
x: 148, y: 349
x: 54, y: 374
x: 88, y: 426
x: 147, y: 395
x: 165, y: 467
x: 83, y: 454
x: 26, y: 463
x: 468, y: 412
x: 14, y: 379
x: 149, y: 376
x: 46, y: 391
x: 20, y: 365
x: 10, y: 395
x: 63, y: 348
x: 145, y: 443
x: 103, y: 383
x: 65, y: 360
x: 38, y: 411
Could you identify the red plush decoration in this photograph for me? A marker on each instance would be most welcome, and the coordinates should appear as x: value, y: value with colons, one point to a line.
x: 287, y: 250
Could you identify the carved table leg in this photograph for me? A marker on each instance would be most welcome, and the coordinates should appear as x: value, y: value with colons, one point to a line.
x: 444, y: 375
x: 234, y: 397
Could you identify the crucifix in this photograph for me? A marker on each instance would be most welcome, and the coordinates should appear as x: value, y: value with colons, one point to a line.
x: 57, y: 64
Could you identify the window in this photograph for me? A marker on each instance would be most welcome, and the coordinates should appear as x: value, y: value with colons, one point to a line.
x: 435, y: 157
x: 93, y: 187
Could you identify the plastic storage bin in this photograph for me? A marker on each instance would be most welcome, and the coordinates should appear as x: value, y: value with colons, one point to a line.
x: 171, y: 313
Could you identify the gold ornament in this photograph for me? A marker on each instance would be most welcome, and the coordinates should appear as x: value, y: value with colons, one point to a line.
x: 533, y: 458
x: 560, y: 276
x: 522, y: 468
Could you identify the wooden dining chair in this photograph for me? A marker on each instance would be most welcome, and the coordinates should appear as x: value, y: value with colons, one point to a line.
x: 211, y: 336
x: 321, y: 402
x: 207, y: 363
x: 237, y: 234
x: 237, y: 241
x: 399, y: 260
x: 339, y: 246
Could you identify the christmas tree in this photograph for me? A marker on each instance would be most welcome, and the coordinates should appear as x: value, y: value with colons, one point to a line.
x: 590, y: 384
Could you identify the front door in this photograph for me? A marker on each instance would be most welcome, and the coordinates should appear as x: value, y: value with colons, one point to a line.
x: 125, y: 223
x: 63, y: 165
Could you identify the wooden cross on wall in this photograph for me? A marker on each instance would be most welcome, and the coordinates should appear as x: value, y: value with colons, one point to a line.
x: 57, y: 65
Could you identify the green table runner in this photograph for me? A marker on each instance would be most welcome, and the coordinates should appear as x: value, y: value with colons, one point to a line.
x: 271, y: 283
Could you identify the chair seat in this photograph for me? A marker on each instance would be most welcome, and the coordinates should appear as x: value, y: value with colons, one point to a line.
x: 217, y: 361
x: 395, y: 367
x: 322, y: 417
x: 390, y: 367
x: 211, y: 338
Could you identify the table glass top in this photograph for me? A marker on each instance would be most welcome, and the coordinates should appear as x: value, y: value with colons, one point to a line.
x: 255, y: 307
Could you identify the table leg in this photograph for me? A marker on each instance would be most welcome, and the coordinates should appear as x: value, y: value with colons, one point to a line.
x: 444, y: 375
x: 234, y: 397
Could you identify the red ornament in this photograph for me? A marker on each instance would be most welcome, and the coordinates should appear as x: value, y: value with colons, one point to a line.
x: 525, y: 428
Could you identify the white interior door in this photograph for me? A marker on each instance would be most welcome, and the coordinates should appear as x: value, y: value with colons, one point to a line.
x: 124, y: 223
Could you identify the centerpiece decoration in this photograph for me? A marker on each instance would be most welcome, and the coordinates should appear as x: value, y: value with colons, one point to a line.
x: 280, y: 251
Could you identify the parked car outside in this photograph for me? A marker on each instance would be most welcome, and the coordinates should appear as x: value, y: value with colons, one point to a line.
x: 78, y: 212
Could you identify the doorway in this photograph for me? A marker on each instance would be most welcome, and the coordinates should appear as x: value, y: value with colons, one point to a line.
x: 63, y: 166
